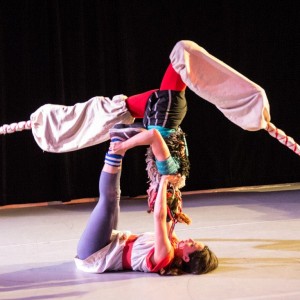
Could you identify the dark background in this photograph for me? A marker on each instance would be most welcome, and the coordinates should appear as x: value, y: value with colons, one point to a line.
x: 63, y: 52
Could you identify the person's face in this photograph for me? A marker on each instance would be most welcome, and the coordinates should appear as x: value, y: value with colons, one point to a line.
x: 186, y: 247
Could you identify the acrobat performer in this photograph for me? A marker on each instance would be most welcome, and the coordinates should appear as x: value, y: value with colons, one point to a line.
x: 58, y: 128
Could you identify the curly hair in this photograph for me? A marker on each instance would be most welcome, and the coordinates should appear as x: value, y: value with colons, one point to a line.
x: 178, y: 149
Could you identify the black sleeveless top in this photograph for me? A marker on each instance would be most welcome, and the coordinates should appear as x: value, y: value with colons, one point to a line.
x: 165, y: 108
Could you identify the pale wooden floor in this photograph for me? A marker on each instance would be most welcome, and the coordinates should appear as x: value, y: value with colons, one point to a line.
x: 255, y: 232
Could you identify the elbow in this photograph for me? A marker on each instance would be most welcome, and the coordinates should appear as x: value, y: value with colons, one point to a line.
x: 154, y: 134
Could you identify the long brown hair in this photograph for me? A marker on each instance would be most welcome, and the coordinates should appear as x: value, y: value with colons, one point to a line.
x: 201, y: 262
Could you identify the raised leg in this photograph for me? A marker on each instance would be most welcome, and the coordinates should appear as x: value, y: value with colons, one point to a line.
x: 104, y: 217
x: 171, y: 80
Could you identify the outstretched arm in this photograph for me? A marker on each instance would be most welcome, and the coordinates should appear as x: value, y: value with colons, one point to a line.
x: 150, y: 137
x: 162, y: 244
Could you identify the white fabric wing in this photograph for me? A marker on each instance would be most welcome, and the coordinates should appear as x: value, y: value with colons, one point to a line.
x: 242, y: 101
x: 58, y: 128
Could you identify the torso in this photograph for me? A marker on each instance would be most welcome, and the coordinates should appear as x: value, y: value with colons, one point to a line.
x: 165, y: 108
x: 110, y: 258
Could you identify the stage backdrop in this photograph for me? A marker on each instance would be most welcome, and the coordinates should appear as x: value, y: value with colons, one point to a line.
x: 64, y: 52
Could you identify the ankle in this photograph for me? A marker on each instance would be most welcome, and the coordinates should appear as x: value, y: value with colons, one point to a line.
x: 114, y: 160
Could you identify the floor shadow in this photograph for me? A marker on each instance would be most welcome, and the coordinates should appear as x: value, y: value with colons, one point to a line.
x: 58, y: 275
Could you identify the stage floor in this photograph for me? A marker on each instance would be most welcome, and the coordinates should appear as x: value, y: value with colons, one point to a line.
x: 254, y: 232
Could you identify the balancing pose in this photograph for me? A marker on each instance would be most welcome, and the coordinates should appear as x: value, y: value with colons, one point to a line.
x: 58, y: 128
x: 162, y: 111
x: 103, y: 248
x: 161, y: 160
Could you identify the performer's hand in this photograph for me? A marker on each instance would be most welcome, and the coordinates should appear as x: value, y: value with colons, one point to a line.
x: 173, y: 178
x: 116, y: 148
